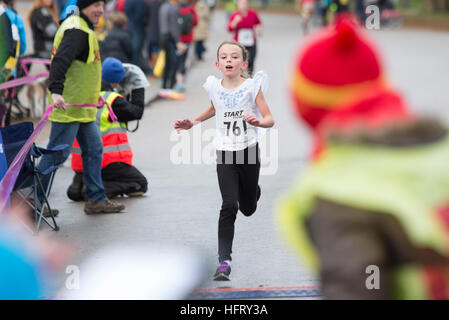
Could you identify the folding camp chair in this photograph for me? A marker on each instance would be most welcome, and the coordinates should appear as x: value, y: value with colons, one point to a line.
x: 13, y: 138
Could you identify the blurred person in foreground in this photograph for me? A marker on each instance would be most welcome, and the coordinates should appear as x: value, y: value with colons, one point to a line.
x: 28, y: 261
x: 119, y: 175
x: 376, y: 195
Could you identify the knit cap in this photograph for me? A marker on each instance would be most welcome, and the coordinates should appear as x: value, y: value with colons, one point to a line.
x: 112, y: 70
x: 335, y: 67
x: 85, y: 3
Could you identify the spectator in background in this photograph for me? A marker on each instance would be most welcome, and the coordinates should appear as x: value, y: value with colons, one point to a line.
x: 60, y: 5
x: 212, y: 4
x: 188, y: 20
x: 169, y: 29
x: 120, y: 5
x: 201, y: 31
x: 246, y: 25
x: 153, y: 30
x: 68, y: 9
x: 135, y: 10
x: 117, y: 43
x: 43, y: 20
x: 16, y: 22
x: 9, y: 50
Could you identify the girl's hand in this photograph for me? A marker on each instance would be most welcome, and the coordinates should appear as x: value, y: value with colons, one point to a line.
x: 185, y: 124
x: 236, y: 21
x: 252, y: 120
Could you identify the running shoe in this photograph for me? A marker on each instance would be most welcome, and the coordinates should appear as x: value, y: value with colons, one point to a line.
x: 223, y: 272
x: 180, y: 88
x: 165, y: 93
x: 176, y: 95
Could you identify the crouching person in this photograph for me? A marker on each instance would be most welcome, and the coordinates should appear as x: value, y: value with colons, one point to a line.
x: 119, y: 175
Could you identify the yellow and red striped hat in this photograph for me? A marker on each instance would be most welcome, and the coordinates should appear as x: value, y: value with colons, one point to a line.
x: 335, y: 67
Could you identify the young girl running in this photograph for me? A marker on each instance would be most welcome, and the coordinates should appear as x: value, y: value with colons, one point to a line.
x: 241, y: 112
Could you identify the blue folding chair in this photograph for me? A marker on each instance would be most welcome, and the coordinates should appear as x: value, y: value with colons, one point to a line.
x: 12, y: 138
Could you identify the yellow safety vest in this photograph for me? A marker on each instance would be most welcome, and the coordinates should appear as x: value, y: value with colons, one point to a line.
x: 116, y: 147
x: 83, y: 79
x: 412, y: 183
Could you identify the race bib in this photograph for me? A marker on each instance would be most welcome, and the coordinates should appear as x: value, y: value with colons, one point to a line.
x: 246, y: 37
x: 233, y: 127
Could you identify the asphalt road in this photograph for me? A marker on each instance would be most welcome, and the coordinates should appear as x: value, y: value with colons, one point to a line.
x: 182, y: 205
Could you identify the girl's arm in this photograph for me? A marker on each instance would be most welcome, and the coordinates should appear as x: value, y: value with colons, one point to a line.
x: 234, y: 20
x: 186, y: 124
x: 267, y: 120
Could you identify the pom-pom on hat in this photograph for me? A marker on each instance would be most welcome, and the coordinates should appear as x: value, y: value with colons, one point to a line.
x: 335, y: 67
x: 112, y: 70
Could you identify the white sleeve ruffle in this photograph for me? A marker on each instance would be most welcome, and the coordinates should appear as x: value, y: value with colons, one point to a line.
x: 260, y: 81
x: 210, y: 85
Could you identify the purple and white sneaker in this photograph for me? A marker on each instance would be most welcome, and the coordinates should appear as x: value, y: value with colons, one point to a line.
x: 223, y: 272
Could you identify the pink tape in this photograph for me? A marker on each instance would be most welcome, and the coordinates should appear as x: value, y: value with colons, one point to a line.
x: 27, y: 79
x: 9, y: 180
x: 10, y: 177
x: 35, y: 60
x: 23, y: 80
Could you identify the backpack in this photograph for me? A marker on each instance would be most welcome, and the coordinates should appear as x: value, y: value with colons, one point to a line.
x: 186, y: 23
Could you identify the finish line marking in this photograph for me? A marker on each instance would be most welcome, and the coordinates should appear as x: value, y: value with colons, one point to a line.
x: 257, y: 293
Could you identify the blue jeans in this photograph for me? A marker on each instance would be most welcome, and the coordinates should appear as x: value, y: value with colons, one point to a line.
x: 89, y: 139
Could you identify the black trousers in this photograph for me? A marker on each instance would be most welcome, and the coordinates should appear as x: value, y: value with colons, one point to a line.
x: 238, y: 178
x: 121, y: 178
x: 118, y: 179
x: 169, y: 75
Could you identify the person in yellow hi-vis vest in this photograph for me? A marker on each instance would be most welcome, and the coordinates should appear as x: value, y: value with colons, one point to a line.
x: 371, y: 213
x: 119, y: 175
x: 75, y: 78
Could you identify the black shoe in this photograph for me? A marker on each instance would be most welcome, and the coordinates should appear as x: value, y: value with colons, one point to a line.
x: 258, y: 192
x: 223, y: 272
x: 74, y: 191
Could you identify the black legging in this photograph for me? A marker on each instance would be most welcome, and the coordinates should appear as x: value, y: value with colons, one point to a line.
x: 251, y: 57
x: 169, y: 76
x: 239, y: 190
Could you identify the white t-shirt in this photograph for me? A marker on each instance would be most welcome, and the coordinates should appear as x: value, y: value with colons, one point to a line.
x: 134, y: 79
x: 231, y: 105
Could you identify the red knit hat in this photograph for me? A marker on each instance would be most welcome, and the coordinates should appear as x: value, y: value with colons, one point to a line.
x: 335, y: 67
x: 377, y: 109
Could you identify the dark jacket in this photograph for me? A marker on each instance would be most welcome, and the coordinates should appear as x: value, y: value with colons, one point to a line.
x: 117, y: 44
x: 135, y: 11
x: 169, y: 29
x: 153, y: 20
x: 124, y: 110
x: 44, y: 29
x: 74, y: 46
